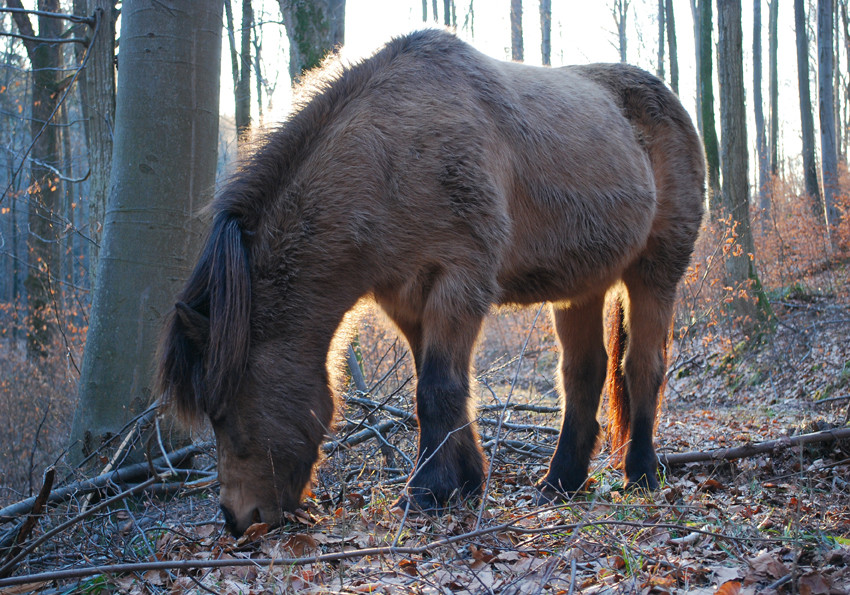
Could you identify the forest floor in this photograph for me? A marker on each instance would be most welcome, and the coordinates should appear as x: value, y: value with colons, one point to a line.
x: 776, y: 522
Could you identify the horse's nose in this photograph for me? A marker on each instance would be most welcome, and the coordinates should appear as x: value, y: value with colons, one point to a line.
x: 233, y: 525
x: 229, y: 521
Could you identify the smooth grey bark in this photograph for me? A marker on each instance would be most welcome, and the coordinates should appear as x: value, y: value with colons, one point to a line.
x: 163, y: 172
x: 826, y: 111
x: 740, y: 265
x: 517, y: 52
x: 758, y: 107
x: 810, y: 174
x: 314, y: 29
x: 672, y: 46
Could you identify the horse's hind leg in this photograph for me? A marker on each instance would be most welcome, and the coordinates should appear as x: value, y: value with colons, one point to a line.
x: 582, y: 374
x: 648, y: 319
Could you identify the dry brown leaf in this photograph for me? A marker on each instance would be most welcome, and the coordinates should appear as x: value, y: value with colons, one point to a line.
x: 729, y: 588
x: 813, y: 583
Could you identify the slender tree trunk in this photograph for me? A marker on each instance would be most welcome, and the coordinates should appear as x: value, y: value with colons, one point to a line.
x: 829, y: 156
x: 659, y: 69
x: 740, y: 267
x: 773, y: 74
x: 695, y: 15
x: 621, y: 13
x: 243, y: 87
x: 45, y: 186
x: 810, y: 174
x: 424, y: 11
x: 758, y: 105
x: 672, y: 48
x: 709, y: 131
x: 517, y: 54
x: 166, y: 132
x: 836, y: 81
x: 314, y: 28
x: 546, y: 32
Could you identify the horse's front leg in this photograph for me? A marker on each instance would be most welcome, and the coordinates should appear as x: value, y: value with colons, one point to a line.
x: 450, y: 464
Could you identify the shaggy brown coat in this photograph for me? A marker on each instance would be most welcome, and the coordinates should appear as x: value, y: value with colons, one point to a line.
x: 440, y: 182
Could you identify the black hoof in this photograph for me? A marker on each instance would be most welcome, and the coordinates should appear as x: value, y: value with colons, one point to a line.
x: 646, y: 482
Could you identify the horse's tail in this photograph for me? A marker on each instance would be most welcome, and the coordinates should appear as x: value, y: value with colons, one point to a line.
x: 619, y: 410
x: 204, y: 347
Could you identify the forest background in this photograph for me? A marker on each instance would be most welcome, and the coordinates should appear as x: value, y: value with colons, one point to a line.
x: 762, y: 321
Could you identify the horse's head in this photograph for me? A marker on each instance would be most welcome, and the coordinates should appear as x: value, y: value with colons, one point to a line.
x: 267, y: 398
x: 268, y: 430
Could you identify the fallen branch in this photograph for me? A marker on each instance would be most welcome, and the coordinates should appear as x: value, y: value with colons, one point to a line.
x: 128, y: 474
x: 748, y: 450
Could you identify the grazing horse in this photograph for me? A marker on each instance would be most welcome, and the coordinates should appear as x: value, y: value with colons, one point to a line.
x: 438, y: 182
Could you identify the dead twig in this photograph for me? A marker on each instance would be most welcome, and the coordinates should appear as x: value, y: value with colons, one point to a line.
x: 29, y: 524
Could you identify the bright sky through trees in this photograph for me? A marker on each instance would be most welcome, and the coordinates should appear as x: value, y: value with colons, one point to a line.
x: 581, y: 32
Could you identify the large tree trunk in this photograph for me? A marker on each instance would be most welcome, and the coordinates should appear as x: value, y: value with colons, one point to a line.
x: 740, y: 261
x: 314, y: 28
x: 672, y: 47
x: 166, y: 133
x: 758, y: 105
x: 546, y: 32
x: 706, y: 91
x: 43, y: 288
x: 517, y: 53
x: 829, y: 156
x: 810, y: 173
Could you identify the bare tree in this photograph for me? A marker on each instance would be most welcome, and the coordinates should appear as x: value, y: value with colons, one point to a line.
x: 709, y: 131
x: 695, y: 17
x: 740, y: 262
x: 810, y: 174
x: 659, y: 70
x: 829, y: 155
x: 546, y: 31
x: 620, y: 11
x: 45, y: 192
x: 773, y: 74
x: 314, y: 29
x: 672, y: 47
x: 516, y: 31
x: 758, y: 106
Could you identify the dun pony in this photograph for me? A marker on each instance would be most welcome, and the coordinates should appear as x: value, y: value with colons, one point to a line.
x: 439, y: 182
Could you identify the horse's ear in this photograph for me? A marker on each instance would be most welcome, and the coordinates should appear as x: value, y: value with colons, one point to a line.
x: 195, y: 324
